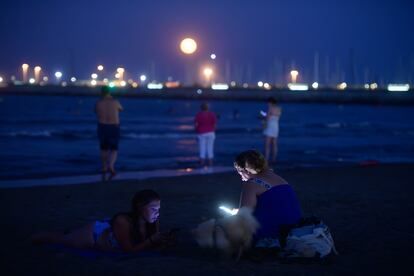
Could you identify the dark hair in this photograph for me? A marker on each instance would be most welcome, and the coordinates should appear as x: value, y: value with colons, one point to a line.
x: 140, y: 200
x: 105, y: 90
x: 204, y: 106
x: 251, y: 158
x: 272, y: 100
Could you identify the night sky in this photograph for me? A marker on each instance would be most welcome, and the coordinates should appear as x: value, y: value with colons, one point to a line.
x: 253, y: 40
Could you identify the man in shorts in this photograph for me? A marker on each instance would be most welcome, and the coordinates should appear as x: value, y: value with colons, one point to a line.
x: 107, y: 111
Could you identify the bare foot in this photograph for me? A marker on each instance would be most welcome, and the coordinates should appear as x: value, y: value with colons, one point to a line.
x: 112, y: 175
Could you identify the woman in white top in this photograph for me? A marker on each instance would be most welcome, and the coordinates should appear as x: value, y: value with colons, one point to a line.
x: 271, y: 131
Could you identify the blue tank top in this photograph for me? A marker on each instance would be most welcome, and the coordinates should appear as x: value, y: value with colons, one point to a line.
x: 275, y: 207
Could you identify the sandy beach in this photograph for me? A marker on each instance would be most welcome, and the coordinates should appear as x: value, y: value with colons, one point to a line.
x: 369, y: 210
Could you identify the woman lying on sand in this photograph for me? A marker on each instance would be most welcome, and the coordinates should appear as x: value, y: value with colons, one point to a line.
x: 273, y: 200
x: 128, y: 232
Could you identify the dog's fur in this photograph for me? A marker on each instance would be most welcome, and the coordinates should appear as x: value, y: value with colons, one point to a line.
x: 233, y: 234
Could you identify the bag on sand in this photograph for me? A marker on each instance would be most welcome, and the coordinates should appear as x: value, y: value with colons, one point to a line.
x: 312, y: 239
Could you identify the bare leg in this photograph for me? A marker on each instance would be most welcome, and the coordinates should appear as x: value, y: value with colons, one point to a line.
x: 267, y: 147
x: 104, y: 160
x: 114, y: 155
x: 78, y: 238
x: 274, y: 155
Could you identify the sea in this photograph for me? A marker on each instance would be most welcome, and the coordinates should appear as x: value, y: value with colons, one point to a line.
x: 45, y: 136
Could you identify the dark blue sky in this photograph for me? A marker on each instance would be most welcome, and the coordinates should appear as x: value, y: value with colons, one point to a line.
x: 253, y: 40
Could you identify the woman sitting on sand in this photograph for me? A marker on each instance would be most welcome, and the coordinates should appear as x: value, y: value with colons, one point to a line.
x: 273, y: 200
x: 128, y: 232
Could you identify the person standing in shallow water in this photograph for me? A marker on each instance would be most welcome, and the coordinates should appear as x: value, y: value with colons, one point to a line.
x: 107, y: 111
x: 205, y: 125
x: 271, y: 131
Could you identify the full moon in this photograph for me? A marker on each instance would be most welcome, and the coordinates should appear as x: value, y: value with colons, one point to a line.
x: 188, y: 46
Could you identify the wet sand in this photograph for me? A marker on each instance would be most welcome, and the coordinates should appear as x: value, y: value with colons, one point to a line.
x: 369, y: 209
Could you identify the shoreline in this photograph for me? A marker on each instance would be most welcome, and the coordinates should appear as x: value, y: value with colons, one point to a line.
x: 350, y: 96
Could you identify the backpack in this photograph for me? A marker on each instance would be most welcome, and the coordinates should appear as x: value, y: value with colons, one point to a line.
x: 310, y: 239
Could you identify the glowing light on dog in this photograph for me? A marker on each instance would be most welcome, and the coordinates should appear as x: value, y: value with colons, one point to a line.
x: 229, y: 211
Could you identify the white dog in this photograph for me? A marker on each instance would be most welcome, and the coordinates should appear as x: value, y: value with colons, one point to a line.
x: 230, y: 235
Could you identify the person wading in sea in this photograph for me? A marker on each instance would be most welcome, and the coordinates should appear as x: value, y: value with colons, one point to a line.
x: 107, y: 111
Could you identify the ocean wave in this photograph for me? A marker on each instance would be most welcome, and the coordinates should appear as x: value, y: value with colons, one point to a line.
x: 158, y: 135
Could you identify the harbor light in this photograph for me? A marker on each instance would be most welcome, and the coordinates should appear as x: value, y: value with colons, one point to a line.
x: 208, y: 72
x: 37, y: 70
x: 342, y: 86
x: 233, y: 84
x: 245, y: 85
x: 143, y: 78
x: 220, y: 86
x: 45, y: 79
x: 266, y: 86
x: 58, y: 74
x: 260, y: 84
x: 1, y: 79
x: 93, y: 82
x: 366, y: 86
x: 72, y: 79
x: 100, y: 67
x: 155, y: 86
x: 188, y: 46
x: 111, y: 84
x: 294, y: 75
x: 373, y: 86
x: 32, y: 80
x: 94, y: 76
x: 25, y: 68
x: 315, y: 85
x: 398, y: 87
x: 213, y: 56
x: 298, y: 86
x: 123, y: 83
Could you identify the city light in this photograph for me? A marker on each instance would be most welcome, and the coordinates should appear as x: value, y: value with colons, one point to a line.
x: 245, y: 85
x: 143, y: 78
x: 25, y: 68
x: 93, y: 82
x: 298, y: 86
x: 1, y: 79
x: 342, y: 86
x: 111, y: 84
x: 45, y: 79
x: 315, y: 85
x: 266, y: 86
x: 32, y: 80
x: 208, y: 73
x: 123, y: 83
x: 398, y: 87
x: 100, y: 67
x: 94, y: 76
x: 213, y: 56
x: 58, y: 74
x: 188, y: 46
x: 120, y: 73
x: 37, y: 70
x: 366, y: 86
x: 294, y: 75
x: 373, y: 86
x: 155, y: 86
x: 220, y: 86
x: 233, y: 84
x: 72, y: 79
x: 260, y: 84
